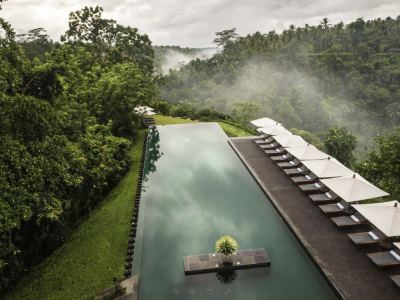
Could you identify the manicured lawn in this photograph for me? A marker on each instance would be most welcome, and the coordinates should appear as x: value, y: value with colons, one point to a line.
x: 229, y: 129
x: 233, y: 131
x: 167, y: 120
x: 95, y: 252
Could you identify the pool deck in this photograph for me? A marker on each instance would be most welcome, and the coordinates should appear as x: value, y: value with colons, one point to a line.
x: 208, y: 263
x: 346, y: 267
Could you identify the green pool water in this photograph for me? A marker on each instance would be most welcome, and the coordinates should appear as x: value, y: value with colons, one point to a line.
x: 195, y: 190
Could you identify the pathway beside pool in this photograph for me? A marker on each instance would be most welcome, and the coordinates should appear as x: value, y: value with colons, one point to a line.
x: 347, y: 267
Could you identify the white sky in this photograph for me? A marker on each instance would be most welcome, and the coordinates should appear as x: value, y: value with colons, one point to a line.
x: 194, y: 23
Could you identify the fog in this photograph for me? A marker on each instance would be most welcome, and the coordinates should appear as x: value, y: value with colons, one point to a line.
x: 174, y: 59
x: 286, y: 94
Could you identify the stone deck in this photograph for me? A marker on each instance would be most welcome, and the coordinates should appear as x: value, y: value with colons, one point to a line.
x: 208, y: 263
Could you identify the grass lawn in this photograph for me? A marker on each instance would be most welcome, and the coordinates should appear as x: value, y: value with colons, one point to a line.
x: 167, y: 120
x: 229, y: 129
x: 233, y: 131
x: 94, y: 253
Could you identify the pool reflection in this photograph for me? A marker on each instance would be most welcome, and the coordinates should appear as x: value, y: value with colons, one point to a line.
x: 196, y: 190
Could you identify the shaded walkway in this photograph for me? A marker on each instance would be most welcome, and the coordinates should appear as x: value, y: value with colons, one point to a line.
x: 346, y: 266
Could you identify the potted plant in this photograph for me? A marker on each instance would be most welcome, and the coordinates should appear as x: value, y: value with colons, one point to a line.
x: 226, y: 246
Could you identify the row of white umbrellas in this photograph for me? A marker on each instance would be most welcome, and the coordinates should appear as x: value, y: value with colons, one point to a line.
x: 349, y: 186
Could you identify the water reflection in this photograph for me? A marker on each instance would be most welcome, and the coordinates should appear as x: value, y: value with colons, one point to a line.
x: 153, y: 151
x: 226, y: 276
x: 200, y: 191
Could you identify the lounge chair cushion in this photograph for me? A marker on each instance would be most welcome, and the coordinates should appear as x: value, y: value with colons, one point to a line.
x: 373, y: 236
x: 307, y: 176
x: 363, y: 238
x: 384, y: 259
x: 340, y: 205
x: 355, y: 219
x: 395, y: 255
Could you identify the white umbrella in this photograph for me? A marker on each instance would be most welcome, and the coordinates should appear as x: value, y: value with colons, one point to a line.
x: 308, y: 152
x: 327, y: 168
x: 144, y: 110
x: 385, y: 216
x: 264, y: 122
x: 353, y: 188
x: 274, y: 130
x: 290, y: 141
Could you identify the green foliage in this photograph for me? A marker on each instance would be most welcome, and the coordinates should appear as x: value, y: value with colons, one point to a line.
x: 110, y: 41
x: 243, y: 112
x: 66, y: 128
x: 340, y: 143
x: 309, y: 77
x: 95, y: 251
x: 115, y: 94
x: 226, y: 246
x: 224, y: 37
x: 36, y: 43
x: 382, y: 164
x: 312, y: 138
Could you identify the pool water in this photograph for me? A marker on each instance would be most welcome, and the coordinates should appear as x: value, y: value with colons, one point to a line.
x: 196, y: 189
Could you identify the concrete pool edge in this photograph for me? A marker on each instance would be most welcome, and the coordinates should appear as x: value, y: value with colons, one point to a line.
x: 292, y: 226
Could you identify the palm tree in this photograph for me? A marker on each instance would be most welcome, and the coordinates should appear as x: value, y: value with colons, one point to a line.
x: 226, y: 246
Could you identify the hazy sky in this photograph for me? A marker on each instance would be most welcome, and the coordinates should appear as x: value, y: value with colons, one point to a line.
x: 193, y: 23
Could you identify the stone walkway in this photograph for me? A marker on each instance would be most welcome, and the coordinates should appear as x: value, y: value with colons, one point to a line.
x: 346, y: 267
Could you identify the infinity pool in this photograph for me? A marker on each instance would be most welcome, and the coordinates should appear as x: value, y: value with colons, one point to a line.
x: 195, y: 190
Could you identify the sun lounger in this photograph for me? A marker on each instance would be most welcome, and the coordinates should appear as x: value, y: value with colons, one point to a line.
x: 334, y: 209
x: 260, y: 141
x: 324, y: 198
x: 364, y: 238
x: 385, y: 259
x: 269, y: 146
x: 277, y: 151
x: 312, y: 188
x: 396, y: 280
x: 295, y: 163
x: 299, y: 171
x: 349, y: 221
x: 281, y: 158
x: 303, y: 179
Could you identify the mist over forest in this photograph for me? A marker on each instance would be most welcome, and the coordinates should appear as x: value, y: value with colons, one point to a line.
x: 310, y: 77
x: 168, y: 58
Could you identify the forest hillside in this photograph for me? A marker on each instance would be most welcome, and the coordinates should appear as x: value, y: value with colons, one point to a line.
x: 309, y: 77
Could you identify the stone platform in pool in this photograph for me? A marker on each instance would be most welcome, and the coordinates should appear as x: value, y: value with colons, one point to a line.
x: 208, y: 263
x: 347, y: 267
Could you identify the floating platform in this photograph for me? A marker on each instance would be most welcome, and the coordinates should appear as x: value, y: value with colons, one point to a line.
x: 208, y: 263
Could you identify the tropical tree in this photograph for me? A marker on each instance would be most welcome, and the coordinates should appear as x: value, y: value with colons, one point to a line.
x: 382, y: 164
x: 224, y: 37
x: 110, y: 41
x: 340, y: 143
